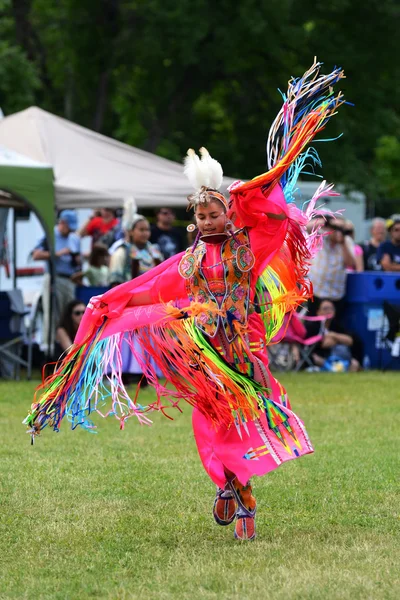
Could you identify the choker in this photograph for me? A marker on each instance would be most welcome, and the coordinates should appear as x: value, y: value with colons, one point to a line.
x: 214, y: 238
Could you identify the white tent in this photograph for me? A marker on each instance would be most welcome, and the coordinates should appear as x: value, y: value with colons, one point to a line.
x: 92, y: 170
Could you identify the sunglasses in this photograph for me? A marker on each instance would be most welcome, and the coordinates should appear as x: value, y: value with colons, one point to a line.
x: 78, y: 313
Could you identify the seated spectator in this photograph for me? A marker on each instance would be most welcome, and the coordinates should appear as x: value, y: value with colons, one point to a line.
x: 388, y: 254
x: 104, y: 228
x: 167, y: 237
x: 96, y: 275
x: 357, y: 250
x: 328, y: 268
x: 370, y: 247
x: 336, y: 342
x: 68, y: 326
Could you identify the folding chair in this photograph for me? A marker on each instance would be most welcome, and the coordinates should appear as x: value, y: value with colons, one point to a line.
x: 294, y: 333
x: 12, y: 336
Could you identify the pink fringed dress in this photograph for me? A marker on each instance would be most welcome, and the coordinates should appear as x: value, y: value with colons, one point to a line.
x: 206, y: 317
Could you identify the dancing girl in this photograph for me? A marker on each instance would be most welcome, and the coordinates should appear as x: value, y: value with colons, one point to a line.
x: 206, y: 316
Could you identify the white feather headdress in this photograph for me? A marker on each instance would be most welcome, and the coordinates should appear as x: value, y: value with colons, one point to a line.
x: 205, y: 174
x: 130, y: 215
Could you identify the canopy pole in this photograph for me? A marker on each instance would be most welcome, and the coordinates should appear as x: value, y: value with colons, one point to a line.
x: 52, y: 302
x: 14, y: 251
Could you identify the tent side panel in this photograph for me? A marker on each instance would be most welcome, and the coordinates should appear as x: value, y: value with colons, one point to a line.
x: 35, y: 187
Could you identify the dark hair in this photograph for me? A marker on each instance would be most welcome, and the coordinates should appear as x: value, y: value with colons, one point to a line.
x: 111, y: 210
x: 97, y: 253
x: 66, y: 319
x: 160, y: 208
x: 326, y: 300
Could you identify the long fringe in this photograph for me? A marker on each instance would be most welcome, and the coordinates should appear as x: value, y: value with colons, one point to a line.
x: 308, y: 106
x: 284, y: 286
x: 88, y: 380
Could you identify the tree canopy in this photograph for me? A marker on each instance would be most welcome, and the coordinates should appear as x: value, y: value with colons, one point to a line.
x: 165, y: 75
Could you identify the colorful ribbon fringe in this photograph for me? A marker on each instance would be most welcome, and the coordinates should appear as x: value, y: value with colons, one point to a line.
x: 88, y: 378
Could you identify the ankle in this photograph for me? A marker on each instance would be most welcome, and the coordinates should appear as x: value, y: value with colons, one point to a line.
x: 244, y: 497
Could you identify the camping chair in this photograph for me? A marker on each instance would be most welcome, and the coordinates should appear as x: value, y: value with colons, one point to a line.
x: 391, y: 340
x: 294, y: 333
x: 12, y: 313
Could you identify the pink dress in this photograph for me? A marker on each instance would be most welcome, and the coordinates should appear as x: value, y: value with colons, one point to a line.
x: 205, y: 317
x: 256, y: 450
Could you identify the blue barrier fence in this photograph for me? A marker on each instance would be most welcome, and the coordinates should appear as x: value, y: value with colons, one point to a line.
x: 365, y: 295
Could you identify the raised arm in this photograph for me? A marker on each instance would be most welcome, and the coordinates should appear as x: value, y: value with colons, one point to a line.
x: 253, y: 208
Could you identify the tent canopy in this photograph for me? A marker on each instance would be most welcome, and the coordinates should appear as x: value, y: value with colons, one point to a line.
x: 92, y: 170
x: 25, y: 182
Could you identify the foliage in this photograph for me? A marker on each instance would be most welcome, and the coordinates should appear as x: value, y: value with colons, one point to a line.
x: 164, y: 75
x: 387, y: 163
x: 127, y: 514
x: 19, y: 78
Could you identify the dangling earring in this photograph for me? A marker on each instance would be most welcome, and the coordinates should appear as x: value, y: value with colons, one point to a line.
x: 190, y: 229
x: 229, y: 226
x: 196, y: 241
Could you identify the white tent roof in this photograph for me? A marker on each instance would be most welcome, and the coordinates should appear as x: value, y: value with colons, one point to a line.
x: 10, y: 158
x: 92, y: 170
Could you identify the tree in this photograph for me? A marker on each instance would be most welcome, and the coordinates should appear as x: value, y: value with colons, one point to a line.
x: 165, y: 75
x: 19, y: 78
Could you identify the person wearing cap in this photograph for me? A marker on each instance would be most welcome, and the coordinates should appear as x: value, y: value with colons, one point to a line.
x: 388, y: 254
x: 67, y: 262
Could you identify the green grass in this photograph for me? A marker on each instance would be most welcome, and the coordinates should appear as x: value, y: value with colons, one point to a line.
x: 124, y: 515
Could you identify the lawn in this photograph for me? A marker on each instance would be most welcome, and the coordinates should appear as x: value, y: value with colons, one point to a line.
x: 127, y: 514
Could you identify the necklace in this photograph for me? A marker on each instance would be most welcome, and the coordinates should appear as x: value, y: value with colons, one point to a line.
x: 221, y: 262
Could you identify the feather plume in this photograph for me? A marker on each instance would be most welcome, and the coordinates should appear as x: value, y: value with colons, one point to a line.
x: 130, y: 210
x: 212, y: 170
x: 206, y: 172
x: 193, y: 170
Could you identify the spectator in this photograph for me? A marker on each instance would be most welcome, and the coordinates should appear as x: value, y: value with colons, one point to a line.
x: 104, y: 228
x: 328, y: 269
x: 336, y: 342
x: 370, y: 247
x: 388, y: 254
x: 97, y: 274
x: 68, y: 326
x: 67, y: 262
x: 357, y: 250
x: 134, y: 255
x: 129, y: 259
x: 167, y: 237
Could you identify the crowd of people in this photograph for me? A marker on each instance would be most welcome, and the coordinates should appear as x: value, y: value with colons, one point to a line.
x: 339, y: 256
x: 123, y: 248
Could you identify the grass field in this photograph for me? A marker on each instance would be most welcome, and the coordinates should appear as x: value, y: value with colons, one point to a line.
x: 126, y: 515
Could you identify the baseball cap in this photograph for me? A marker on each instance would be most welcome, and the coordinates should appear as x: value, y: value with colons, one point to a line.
x: 391, y: 221
x: 69, y: 216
